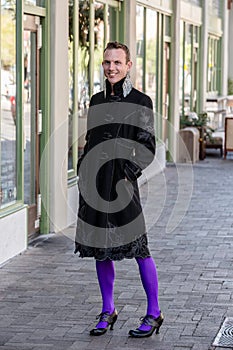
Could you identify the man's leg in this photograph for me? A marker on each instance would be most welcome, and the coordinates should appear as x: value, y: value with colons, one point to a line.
x: 149, y: 280
x: 106, y: 276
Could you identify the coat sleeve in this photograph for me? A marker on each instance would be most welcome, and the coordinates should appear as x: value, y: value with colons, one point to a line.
x: 145, y: 145
x: 86, y: 146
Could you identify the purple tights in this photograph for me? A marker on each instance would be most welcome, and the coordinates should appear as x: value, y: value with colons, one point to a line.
x: 106, y: 275
x: 149, y: 280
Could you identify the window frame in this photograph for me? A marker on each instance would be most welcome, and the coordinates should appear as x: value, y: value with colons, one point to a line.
x: 17, y: 203
x: 161, y: 37
x: 195, y: 46
x: 214, y: 84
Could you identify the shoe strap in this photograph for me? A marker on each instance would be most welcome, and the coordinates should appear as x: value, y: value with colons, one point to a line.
x: 149, y: 321
x: 105, y: 317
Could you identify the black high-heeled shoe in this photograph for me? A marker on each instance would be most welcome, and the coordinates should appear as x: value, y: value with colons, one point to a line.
x: 105, y: 317
x: 148, y: 320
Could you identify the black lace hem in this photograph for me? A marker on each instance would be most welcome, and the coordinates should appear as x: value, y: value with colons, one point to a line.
x: 136, y: 249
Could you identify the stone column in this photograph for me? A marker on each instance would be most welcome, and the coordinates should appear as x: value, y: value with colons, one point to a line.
x: 203, y: 58
x: 130, y: 33
x: 230, y: 44
x: 174, y: 119
x: 225, y: 47
x: 59, y: 114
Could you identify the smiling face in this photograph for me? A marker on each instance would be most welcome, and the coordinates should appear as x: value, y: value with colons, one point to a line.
x: 115, y: 65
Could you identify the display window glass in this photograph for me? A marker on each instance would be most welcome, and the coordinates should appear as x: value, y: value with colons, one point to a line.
x: 89, y: 73
x: 214, y: 68
x: 188, y: 75
x: 40, y: 3
x: 8, y: 104
x: 151, y: 42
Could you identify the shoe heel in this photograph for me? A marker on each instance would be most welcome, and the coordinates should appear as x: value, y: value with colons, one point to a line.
x: 160, y: 324
x: 113, y: 322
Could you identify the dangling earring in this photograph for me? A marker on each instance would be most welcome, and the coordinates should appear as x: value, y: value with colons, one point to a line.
x: 127, y: 85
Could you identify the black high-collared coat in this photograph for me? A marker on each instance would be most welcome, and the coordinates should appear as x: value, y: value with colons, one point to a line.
x: 120, y: 143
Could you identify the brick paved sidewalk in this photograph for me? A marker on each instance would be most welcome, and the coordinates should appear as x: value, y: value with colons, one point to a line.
x: 49, y: 297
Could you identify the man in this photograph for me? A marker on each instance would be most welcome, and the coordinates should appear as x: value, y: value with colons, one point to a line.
x: 120, y: 143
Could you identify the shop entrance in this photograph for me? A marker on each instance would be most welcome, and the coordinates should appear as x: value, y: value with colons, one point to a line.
x: 32, y: 121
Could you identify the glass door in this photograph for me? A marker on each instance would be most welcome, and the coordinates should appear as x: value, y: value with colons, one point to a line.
x: 166, y: 64
x: 31, y: 125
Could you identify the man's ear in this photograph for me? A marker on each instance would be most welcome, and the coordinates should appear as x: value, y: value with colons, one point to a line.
x: 129, y: 64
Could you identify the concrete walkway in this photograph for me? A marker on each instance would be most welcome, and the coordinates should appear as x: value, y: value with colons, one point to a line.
x: 49, y: 297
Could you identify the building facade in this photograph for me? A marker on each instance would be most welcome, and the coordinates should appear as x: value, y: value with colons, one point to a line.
x: 51, y: 54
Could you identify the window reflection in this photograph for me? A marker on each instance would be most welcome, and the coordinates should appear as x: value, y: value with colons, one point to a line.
x: 187, y: 67
x: 188, y: 76
x: 103, y: 32
x: 146, y: 68
x: 8, y: 105
x: 215, y: 7
x: 213, y: 65
x: 83, y: 69
x: 71, y: 82
x: 151, y: 17
x: 30, y: 89
x: 140, y: 46
x: 40, y: 3
x: 181, y: 71
x: 99, y: 47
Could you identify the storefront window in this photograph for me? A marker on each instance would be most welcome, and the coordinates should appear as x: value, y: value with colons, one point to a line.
x: 8, y: 104
x: 214, y: 69
x: 84, y: 62
x: 89, y: 74
x: 152, y: 60
x: 188, y: 76
x: 167, y: 25
x: 140, y: 47
x: 188, y: 67
x: 99, y: 47
x: 181, y: 68
x: 40, y: 3
x: 71, y: 83
x: 151, y: 17
x: 215, y: 7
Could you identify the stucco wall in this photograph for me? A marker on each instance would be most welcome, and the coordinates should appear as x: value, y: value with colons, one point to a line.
x: 13, y: 234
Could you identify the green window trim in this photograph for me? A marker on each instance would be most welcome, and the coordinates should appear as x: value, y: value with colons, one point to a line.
x: 45, y: 106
